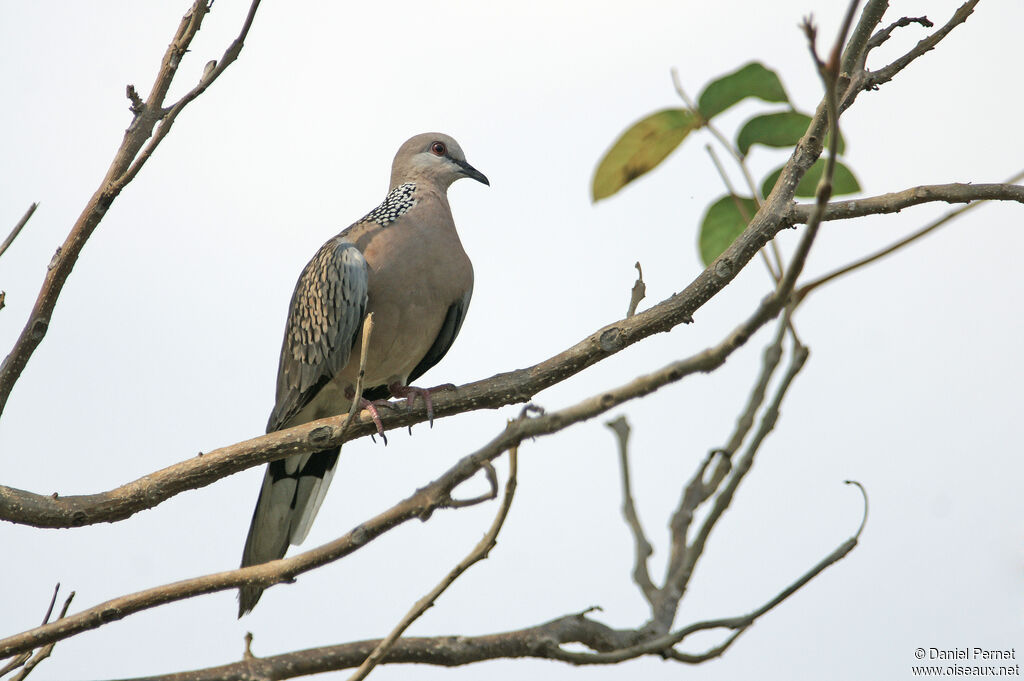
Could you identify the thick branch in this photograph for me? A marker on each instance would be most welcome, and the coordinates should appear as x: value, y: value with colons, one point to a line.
x: 896, y: 201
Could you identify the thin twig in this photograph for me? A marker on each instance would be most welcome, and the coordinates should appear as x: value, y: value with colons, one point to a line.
x: 479, y: 552
x: 863, y: 493
x: 363, y: 352
x: 742, y: 466
x: 46, y: 650
x: 698, y: 491
x: 802, y: 292
x: 664, y: 643
x: 883, y: 35
x: 642, y: 548
x: 19, y: 660
x: 491, y: 493
x: 883, y: 75
x: 722, y: 139
x: 638, y: 293
x: 829, y: 72
x: 169, y: 114
x: 17, y: 228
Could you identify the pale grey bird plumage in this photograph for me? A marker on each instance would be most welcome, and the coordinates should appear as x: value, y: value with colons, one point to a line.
x: 403, y: 262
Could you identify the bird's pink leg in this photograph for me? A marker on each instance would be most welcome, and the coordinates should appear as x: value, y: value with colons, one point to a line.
x: 409, y: 392
x: 371, y: 406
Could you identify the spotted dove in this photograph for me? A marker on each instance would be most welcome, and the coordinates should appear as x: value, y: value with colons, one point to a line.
x: 404, y: 263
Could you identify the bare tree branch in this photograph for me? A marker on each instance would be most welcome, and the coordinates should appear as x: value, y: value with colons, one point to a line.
x: 508, y: 388
x: 517, y: 386
x: 502, y: 389
x: 479, y: 552
x: 610, y: 645
x: 29, y: 660
x: 776, y: 274
x: 686, y: 555
x: 512, y: 387
x: 883, y: 35
x: 802, y: 292
x: 642, y: 547
x: 543, y: 641
x: 883, y: 75
x: 857, y: 47
x: 894, y: 202
x: 638, y: 293
x: 17, y: 228
x: 700, y: 488
x: 426, y: 499
x: 854, y: 74
x: 128, y: 160
x: 21, y: 659
x: 740, y: 469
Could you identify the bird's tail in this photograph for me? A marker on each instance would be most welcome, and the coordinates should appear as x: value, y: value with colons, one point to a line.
x: 292, y: 492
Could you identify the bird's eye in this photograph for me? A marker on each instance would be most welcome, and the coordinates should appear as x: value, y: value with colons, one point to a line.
x: 438, y: 148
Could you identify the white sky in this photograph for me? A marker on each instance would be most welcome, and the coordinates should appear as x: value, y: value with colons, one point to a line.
x: 166, y: 338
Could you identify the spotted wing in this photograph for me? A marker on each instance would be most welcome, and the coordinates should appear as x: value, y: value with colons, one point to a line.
x: 324, y: 321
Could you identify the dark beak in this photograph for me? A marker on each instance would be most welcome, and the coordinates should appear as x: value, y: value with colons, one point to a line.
x: 470, y: 171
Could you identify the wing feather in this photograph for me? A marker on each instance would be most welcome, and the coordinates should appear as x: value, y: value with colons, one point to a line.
x: 325, y: 318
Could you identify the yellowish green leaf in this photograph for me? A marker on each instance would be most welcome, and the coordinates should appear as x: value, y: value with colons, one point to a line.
x: 642, y: 147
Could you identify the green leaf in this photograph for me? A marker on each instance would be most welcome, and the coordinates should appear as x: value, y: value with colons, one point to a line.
x: 642, y: 147
x: 723, y: 222
x: 752, y: 80
x: 843, y: 180
x: 783, y: 129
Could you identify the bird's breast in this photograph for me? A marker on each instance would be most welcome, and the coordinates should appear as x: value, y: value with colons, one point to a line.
x: 417, y: 270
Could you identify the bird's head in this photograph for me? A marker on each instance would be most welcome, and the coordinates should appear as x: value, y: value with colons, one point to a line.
x: 433, y: 157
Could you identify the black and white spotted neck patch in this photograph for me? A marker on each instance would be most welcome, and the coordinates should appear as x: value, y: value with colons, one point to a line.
x: 397, y: 203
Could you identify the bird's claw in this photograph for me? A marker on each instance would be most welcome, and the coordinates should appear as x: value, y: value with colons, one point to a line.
x: 409, y: 392
x: 375, y: 415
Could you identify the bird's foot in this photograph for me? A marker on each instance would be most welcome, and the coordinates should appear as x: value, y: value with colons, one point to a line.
x: 409, y: 392
x: 375, y: 415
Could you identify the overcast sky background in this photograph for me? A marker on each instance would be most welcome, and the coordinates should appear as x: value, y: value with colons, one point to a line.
x: 165, y: 340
